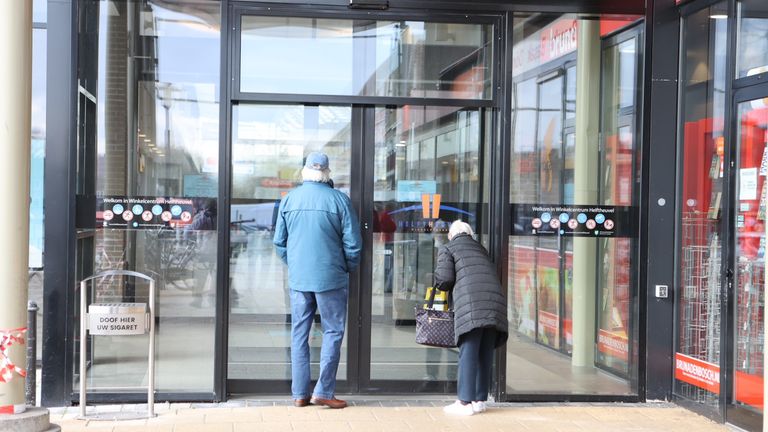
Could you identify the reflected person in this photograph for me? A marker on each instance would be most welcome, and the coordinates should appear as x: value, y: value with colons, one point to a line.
x: 318, y: 235
x: 202, y: 231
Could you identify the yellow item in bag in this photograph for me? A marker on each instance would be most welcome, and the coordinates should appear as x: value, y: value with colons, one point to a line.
x: 441, y: 300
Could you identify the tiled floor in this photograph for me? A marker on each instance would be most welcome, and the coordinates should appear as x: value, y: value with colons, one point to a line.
x: 393, y: 415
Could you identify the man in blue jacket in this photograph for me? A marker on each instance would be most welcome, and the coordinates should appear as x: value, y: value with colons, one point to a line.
x: 318, y: 235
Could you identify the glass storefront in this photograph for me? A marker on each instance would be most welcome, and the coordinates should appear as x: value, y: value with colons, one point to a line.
x: 721, y: 223
x: 365, y: 58
x: 702, y: 174
x: 268, y: 147
x: 150, y: 80
x: 184, y: 176
x: 573, y: 299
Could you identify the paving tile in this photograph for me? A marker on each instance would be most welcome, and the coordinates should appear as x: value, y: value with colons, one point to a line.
x: 325, y: 426
x: 379, y: 426
x: 233, y: 417
x: 220, y: 427
x: 347, y: 414
x: 145, y: 428
x: 265, y: 427
x: 395, y: 415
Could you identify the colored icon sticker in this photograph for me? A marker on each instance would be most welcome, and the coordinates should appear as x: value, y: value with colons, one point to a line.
x: 564, y: 217
x: 600, y: 218
x: 137, y: 209
x: 176, y: 210
x: 108, y: 215
x: 186, y: 216
x: 536, y: 223
x: 166, y: 216
x: 608, y: 224
x: 546, y: 217
x: 157, y: 209
x: 581, y: 218
x: 591, y: 224
x: 127, y: 216
x: 118, y: 209
x: 573, y: 224
x: 554, y: 223
x: 147, y: 216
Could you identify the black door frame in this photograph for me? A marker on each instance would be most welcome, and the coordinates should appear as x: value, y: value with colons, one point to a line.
x: 63, y: 41
x: 363, y: 108
x: 737, y: 415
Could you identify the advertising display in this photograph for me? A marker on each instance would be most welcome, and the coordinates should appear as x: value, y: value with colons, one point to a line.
x: 121, y: 212
x: 575, y: 221
x: 697, y: 372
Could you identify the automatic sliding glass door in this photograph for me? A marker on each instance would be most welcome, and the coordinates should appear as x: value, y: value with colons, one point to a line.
x: 269, y: 143
x: 427, y: 172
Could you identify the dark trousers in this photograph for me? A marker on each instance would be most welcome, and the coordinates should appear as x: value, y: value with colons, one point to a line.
x: 476, y: 350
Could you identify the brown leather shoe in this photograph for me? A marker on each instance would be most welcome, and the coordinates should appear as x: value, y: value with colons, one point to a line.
x: 300, y: 403
x: 330, y: 403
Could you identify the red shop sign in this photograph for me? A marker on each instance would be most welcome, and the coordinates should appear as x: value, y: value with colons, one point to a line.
x: 697, y: 372
x: 614, y: 345
x: 559, y: 39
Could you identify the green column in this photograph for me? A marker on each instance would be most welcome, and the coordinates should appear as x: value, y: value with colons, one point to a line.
x: 15, y: 114
x: 585, y: 189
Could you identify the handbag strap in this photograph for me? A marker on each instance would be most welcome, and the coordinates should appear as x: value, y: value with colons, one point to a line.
x: 431, y: 301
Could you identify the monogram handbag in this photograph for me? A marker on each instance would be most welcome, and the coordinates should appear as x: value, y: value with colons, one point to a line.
x: 434, y: 327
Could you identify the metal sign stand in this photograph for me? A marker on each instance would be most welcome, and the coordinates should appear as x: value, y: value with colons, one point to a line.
x: 117, y: 308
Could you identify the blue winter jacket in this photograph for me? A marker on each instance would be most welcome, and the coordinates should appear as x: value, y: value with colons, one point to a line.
x: 318, y: 235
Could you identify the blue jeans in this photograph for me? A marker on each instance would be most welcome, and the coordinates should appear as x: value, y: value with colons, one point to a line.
x: 476, y: 350
x: 333, y: 314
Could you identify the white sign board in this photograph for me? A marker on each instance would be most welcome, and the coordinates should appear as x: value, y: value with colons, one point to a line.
x: 411, y: 190
x: 748, y: 184
x: 117, y: 319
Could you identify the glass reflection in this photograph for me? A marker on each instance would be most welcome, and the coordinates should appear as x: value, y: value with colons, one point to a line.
x: 748, y: 358
x: 155, y: 77
x: 564, y: 336
x: 425, y: 177
x: 381, y: 58
x: 752, y: 52
x: 701, y: 189
x: 268, y: 150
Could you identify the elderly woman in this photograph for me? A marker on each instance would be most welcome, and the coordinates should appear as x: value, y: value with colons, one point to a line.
x: 480, y: 313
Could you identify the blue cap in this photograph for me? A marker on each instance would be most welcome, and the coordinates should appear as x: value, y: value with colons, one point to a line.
x: 316, y: 161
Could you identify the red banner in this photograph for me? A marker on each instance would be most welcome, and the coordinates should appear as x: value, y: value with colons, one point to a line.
x: 612, y: 344
x: 559, y: 39
x: 697, y: 372
x: 749, y: 389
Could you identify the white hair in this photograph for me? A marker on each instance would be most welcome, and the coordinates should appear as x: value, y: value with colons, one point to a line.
x: 459, y: 227
x: 320, y: 176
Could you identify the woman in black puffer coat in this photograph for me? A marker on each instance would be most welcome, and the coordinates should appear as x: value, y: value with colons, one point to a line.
x: 480, y: 313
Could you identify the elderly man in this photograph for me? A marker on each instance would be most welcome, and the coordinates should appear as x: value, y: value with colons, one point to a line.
x: 318, y: 235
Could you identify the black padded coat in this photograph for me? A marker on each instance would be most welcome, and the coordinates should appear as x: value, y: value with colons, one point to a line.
x: 463, y: 266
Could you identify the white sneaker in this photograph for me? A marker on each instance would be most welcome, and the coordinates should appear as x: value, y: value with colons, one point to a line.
x: 479, y: 407
x: 457, y: 408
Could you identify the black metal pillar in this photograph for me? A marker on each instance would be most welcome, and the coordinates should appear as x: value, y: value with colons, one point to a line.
x: 658, y: 200
x: 59, y: 201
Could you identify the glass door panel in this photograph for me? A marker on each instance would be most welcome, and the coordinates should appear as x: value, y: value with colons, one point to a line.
x: 550, y: 143
x: 269, y: 144
x: 700, y: 199
x: 428, y: 172
x: 749, y: 283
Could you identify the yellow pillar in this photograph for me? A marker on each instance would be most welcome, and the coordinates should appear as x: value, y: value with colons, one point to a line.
x: 15, y: 108
x: 585, y: 189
